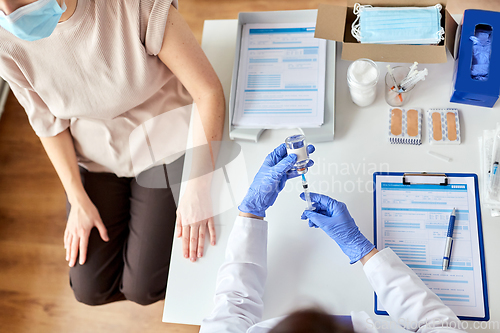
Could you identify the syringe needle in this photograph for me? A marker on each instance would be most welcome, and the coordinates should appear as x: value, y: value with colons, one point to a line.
x: 306, y: 193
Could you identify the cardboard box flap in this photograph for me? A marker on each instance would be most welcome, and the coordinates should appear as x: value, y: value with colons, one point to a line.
x: 397, y: 3
x: 330, y: 22
x: 451, y: 34
x: 423, y: 54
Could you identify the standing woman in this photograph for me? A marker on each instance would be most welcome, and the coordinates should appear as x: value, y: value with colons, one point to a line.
x: 88, y: 72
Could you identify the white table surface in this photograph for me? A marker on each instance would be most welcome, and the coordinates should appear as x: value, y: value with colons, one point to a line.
x: 305, y: 266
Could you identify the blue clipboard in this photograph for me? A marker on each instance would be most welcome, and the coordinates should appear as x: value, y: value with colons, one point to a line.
x: 479, y: 227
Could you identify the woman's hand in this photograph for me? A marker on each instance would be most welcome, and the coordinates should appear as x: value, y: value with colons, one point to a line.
x: 194, y: 217
x: 83, y: 216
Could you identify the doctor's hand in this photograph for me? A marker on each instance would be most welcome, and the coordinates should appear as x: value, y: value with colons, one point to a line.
x: 270, y: 180
x: 333, y: 217
x: 83, y: 217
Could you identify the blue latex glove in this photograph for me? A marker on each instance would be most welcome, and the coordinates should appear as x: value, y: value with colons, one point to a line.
x: 270, y: 180
x: 333, y: 217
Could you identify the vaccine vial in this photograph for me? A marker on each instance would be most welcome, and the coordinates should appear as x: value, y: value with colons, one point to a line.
x: 296, y: 144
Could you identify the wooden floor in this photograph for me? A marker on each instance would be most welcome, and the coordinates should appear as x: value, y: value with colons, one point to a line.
x: 34, y: 292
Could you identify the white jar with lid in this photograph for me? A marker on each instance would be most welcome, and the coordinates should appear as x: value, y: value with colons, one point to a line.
x: 362, y: 78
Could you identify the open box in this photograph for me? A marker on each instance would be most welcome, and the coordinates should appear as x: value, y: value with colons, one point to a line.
x: 466, y: 88
x: 334, y: 23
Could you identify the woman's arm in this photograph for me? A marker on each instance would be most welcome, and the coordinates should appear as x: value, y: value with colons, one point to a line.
x: 83, y: 214
x: 182, y: 54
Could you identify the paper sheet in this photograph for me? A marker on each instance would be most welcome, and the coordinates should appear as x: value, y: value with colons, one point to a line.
x: 413, y: 221
x: 281, y: 77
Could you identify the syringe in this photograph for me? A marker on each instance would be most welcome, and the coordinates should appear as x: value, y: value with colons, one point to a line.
x: 494, y: 180
x: 306, y: 193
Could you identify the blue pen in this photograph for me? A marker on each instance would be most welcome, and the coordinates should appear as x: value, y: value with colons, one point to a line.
x: 449, y: 241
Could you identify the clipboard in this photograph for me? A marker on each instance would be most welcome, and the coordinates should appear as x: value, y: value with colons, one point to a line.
x: 411, y: 214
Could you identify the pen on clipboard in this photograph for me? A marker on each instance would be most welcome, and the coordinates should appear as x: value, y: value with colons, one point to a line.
x: 449, y: 241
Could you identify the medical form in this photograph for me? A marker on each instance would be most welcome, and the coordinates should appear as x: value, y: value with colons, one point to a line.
x: 413, y: 220
x: 281, y: 77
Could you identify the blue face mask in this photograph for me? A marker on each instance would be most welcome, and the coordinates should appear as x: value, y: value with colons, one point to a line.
x: 34, y: 21
x: 397, y: 25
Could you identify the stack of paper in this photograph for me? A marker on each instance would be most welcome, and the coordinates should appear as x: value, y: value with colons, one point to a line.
x: 281, y: 77
x: 490, y: 156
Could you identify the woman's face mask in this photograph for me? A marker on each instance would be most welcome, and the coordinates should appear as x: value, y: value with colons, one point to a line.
x: 34, y: 21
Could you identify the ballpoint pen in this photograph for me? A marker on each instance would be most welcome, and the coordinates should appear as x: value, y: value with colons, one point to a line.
x: 449, y: 241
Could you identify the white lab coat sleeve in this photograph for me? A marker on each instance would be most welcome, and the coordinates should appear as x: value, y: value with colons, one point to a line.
x: 241, y: 279
x: 406, y: 298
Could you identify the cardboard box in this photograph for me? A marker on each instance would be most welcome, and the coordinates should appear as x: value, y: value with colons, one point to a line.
x: 466, y: 89
x: 334, y: 23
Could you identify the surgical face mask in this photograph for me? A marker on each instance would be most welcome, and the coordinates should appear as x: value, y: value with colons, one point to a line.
x: 397, y: 25
x: 34, y: 21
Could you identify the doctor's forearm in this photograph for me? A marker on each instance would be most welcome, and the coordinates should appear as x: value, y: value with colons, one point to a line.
x: 61, y: 152
x: 405, y: 296
x: 250, y: 216
x: 241, y: 279
x: 367, y: 257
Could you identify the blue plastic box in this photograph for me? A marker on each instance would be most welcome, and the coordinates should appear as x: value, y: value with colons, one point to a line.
x: 470, y: 83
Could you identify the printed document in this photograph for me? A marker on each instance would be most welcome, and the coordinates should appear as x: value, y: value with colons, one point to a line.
x: 281, y: 77
x: 413, y: 221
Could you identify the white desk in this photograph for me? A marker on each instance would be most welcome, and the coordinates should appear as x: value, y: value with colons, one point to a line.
x: 305, y: 266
